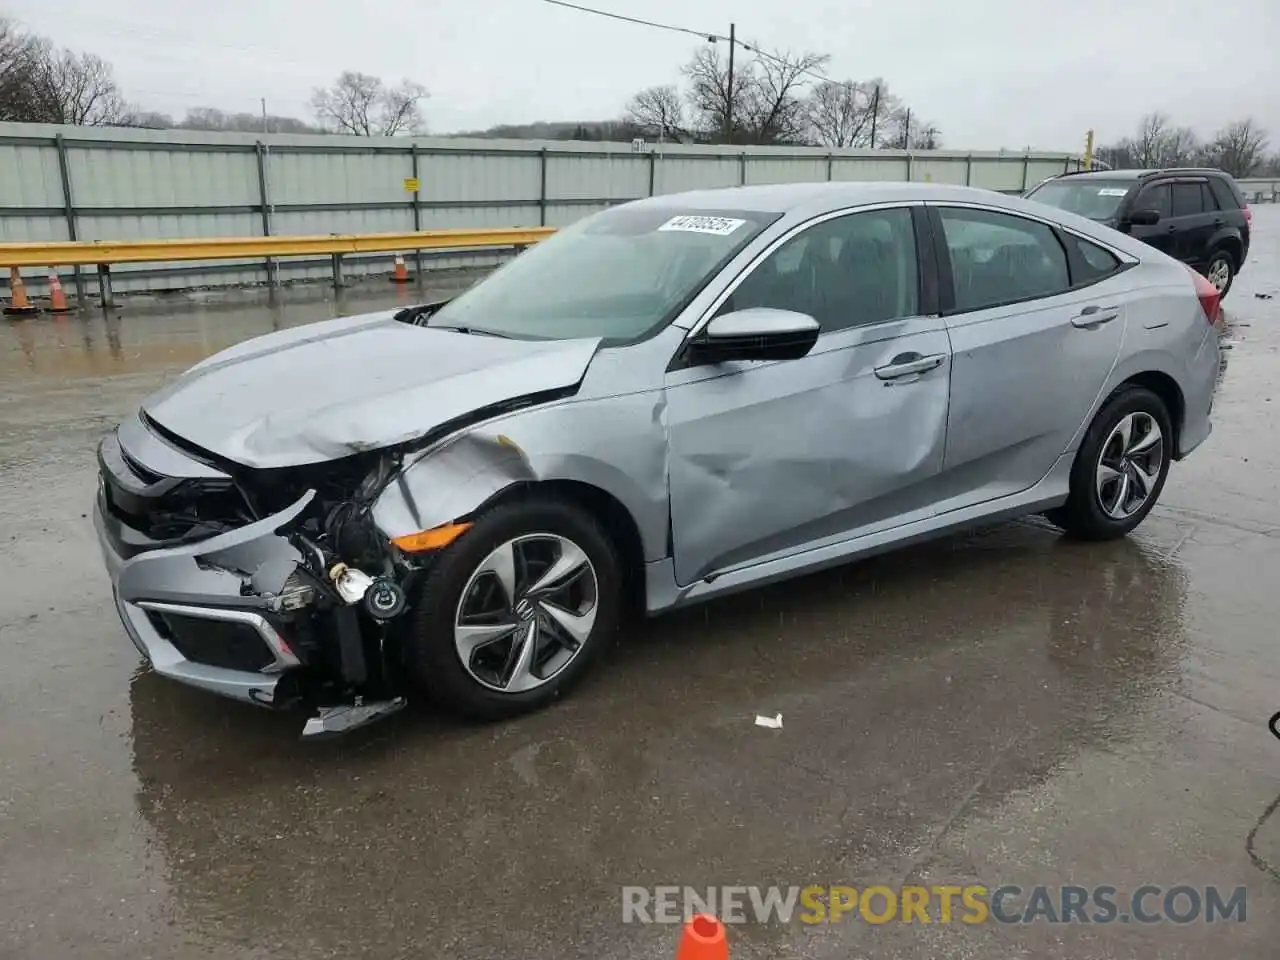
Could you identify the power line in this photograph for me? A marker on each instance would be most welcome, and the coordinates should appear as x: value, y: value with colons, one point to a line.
x: 700, y: 34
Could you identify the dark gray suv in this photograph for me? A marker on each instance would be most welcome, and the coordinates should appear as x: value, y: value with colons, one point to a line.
x: 1198, y: 216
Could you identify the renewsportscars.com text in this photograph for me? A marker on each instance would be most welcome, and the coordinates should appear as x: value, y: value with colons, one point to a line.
x: 969, y: 904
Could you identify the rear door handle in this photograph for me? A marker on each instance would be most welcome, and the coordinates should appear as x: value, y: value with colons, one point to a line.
x: 906, y: 364
x: 1093, y: 316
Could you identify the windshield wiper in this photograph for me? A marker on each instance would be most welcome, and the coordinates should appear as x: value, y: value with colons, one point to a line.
x: 478, y: 331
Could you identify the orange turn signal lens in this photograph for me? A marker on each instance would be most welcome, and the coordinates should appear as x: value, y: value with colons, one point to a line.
x: 432, y: 539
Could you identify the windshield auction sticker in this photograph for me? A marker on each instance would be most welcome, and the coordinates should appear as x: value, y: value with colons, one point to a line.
x: 718, y: 226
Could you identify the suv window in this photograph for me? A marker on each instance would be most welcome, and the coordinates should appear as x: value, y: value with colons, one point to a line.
x: 1155, y: 197
x: 1001, y: 258
x: 844, y: 272
x: 1187, y: 199
x: 1227, y: 200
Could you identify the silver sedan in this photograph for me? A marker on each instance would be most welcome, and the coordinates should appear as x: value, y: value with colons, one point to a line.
x: 667, y: 401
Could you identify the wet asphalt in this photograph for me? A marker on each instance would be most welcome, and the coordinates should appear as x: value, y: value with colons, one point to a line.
x: 999, y: 707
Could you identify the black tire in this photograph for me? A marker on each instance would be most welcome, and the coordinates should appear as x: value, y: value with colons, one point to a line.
x: 431, y: 659
x: 1082, y: 516
x: 1222, y: 257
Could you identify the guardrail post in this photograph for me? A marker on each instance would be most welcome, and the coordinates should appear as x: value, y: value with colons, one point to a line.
x: 104, y: 285
x: 653, y: 170
x: 417, y: 209
x: 264, y: 198
x: 742, y: 169
x: 337, y: 271
x: 831, y: 162
x: 69, y: 208
x: 968, y: 170
x: 542, y: 189
x: 1026, y: 170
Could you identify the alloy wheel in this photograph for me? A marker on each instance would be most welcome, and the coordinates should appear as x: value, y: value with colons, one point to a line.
x: 1220, y: 274
x: 1129, y: 465
x: 526, y: 612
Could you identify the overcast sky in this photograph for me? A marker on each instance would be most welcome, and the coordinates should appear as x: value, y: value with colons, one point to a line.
x: 989, y: 73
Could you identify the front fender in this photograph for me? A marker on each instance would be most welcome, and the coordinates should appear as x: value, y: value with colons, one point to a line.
x: 616, y: 445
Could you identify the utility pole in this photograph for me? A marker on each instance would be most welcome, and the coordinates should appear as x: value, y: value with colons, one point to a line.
x: 264, y: 114
x: 875, y: 113
x: 906, y: 131
x: 728, y: 110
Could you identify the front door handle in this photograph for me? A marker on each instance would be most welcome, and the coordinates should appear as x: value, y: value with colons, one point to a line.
x: 1093, y: 316
x: 906, y: 364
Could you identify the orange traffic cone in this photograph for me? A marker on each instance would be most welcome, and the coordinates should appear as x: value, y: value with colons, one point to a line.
x: 402, y: 273
x: 704, y: 938
x: 57, y: 299
x: 21, y: 304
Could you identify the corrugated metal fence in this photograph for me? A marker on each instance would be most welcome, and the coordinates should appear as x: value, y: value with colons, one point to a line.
x: 69, y: 183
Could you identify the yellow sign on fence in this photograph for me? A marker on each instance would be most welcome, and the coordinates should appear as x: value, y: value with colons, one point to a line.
x: 411, y: 184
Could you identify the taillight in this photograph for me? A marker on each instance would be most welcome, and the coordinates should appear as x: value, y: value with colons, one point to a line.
x: 1210, y: 299
x: 1248, y: 215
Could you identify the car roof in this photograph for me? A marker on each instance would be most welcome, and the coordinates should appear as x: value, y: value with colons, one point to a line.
x: 815, y: 197
x: 797, y: 202
x: 1137, y: 175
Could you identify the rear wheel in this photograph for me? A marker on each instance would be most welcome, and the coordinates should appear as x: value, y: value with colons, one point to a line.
x: 1221, y: 271
x: 515, y: 610
x: 1120, y: 469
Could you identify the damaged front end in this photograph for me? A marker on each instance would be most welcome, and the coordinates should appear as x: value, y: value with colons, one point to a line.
x: 268, y: 586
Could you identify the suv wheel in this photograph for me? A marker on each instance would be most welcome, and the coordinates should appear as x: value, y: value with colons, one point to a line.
x: 1221, y: 271
x: 1120, y: 469
x: 514, y: 610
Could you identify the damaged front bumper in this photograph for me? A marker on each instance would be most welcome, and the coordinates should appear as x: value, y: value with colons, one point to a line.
x: 197, y: 614
x: 242, y: 613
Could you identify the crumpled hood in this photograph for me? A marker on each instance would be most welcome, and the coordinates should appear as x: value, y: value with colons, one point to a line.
x: 331, y: 389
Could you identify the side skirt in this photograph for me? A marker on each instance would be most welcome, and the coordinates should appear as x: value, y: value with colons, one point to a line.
x: 663, y: 593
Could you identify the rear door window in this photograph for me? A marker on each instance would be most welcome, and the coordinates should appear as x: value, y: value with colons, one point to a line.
x: 999, y: 258
x: 1187, y: 200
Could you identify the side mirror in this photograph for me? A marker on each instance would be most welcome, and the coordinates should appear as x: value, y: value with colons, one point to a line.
x: 1143, y: 218
x: 757, y: 333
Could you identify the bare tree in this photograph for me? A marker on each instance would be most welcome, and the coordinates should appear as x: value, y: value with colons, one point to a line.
x: 659, y: 111
x: 1178, y: 147
x: 1239, y: 147
x: 1152, y: 131
x: 211, y: 118
x: 709, y: 93
x: 19, y: 57
x: 776, y: 99
x: 840, y: 112
x: 147, y: 119
x: 78, y: 89
x: 363, y: 105
x: 767, y: 95
x: 41, y: 84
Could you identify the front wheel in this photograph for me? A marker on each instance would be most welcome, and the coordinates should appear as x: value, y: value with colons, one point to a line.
x: 1120, y: 469
x: 514, y: 611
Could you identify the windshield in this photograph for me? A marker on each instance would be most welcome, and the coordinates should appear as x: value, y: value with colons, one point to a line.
x: 619, y: 274
x: 1095, y: 199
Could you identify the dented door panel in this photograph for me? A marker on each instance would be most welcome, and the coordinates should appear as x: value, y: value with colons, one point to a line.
x: 770, y: 458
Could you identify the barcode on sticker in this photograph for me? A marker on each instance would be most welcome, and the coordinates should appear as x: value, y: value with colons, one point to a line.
x: 719, y: 226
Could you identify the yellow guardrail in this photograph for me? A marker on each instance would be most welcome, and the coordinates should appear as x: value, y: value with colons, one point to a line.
x: 63, y: 253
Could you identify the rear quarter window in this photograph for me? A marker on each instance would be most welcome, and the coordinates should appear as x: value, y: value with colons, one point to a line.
x: 1226, y: 193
